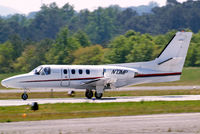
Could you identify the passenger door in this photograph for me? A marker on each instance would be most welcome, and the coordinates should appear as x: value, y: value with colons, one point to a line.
x: 65, y: 77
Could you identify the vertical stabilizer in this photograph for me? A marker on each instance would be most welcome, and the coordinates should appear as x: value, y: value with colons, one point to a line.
x: 167, y: 66
x: 173, y: 56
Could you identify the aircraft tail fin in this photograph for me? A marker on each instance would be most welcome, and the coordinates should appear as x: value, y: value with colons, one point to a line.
x: 171, y: 59
x: 173, y: 56
x: 169, y: 62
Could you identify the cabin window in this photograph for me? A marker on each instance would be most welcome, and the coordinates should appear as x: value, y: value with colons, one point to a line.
x: 65, y: 71
x: 87, y: 71
x: 73, y: 71
x: 80, y: 71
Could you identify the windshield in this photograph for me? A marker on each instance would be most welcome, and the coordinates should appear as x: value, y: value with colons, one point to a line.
x: 37, y: 70
x: 45, y: 71
x: 42, y: 70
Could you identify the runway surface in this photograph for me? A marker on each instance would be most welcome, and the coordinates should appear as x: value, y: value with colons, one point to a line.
x: 146, y: 124
x: 118, y: 89
x: 17, y: 102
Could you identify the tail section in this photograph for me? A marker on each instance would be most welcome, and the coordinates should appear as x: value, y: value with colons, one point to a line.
x: 167, y: 66
x: 172, y: 58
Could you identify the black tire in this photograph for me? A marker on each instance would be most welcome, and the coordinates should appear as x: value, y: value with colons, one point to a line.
x: 98, y: 95
x: 89, y: 94
x: 24, y: 96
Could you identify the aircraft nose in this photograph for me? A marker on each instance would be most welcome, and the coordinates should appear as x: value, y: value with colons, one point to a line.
x: 13, y: 82
x: 4, y: 83
x: 9, y: 82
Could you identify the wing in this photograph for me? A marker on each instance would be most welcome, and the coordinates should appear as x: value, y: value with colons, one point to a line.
x: 100, y: 82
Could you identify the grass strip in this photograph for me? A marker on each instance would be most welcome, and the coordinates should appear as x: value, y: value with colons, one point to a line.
x: 85, y: 110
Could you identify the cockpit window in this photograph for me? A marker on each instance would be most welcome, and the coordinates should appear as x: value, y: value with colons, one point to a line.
x: 43, y: 71
x: 46, y: 71
x: 38, y: 70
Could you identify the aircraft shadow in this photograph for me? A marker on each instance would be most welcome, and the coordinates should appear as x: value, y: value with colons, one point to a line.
x: 107, y: 99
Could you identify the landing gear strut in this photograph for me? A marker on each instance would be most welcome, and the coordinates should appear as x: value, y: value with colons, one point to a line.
x: 24, y: 96
x: 89, y: 93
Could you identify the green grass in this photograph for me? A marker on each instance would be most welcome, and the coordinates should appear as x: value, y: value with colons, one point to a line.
x: 85, y: 110
x: 106, y: 94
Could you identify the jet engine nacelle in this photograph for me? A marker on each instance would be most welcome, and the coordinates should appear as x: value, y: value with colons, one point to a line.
x: 119, y: 76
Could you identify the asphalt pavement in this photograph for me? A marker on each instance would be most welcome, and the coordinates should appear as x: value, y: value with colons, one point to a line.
x: 186, y: 123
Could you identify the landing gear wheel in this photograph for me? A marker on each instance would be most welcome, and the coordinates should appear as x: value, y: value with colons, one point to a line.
x: 98, y: 95
x: 89, y: 94
x: 24, y: 96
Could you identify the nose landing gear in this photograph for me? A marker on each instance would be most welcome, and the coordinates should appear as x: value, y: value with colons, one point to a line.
x: 24, y: 96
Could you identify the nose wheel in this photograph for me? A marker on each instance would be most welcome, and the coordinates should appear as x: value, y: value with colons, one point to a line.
x: 24, y: 96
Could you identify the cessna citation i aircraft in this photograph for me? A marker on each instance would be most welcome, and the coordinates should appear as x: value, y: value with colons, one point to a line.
x: 166, y: 67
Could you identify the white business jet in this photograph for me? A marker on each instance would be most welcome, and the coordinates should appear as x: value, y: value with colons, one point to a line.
x: 166, y: 67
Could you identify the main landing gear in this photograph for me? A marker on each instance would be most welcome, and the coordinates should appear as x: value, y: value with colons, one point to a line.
x: 89, y: 94
x: 98, y: 95
x: 24, y: 96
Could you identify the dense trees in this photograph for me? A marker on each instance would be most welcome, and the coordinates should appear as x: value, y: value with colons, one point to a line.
x: 63, y: 36
x: 70, y: 49
x: 92, y: 55
x: 61, y: 50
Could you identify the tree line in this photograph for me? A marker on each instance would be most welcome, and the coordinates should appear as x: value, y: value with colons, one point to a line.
x: 22, y: 56
x: 102, y: 24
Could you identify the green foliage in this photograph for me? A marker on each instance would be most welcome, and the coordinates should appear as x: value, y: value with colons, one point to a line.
x: 49, y: 20
x: 32, y: 56
x: 131, y: 47
x: 143, y: 49
x: 193, y: 57
x: 101, y: 27
x: 77, y: 49
x: 119, y: 48
x: 102, y: 24
x: 17, y: 45
x: 124, y: 35
x: 82, y: 38
x: 6, y: 57
x: 92, y: 55
x: 28, y: 59
x: 61, y: 50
